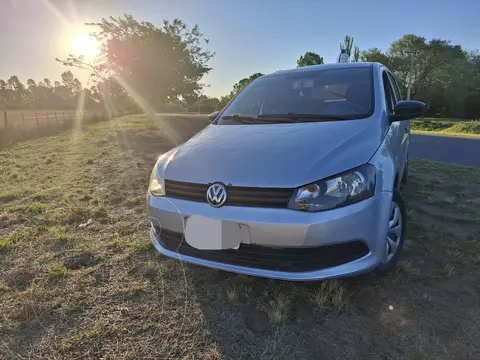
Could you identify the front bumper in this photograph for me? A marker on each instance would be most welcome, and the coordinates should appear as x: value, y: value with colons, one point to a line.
x: 366, y: 221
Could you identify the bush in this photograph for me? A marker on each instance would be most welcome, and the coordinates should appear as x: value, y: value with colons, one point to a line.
x: 470, y: 127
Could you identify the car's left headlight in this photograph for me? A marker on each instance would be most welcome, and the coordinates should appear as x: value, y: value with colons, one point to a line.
x: 340, y: 190
x: 157, y: 183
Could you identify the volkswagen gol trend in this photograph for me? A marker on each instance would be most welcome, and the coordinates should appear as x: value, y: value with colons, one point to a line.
x: 297, y: 178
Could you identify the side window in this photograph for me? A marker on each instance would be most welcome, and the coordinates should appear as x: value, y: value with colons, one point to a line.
x: 396, y: 90
x: 389, y: 94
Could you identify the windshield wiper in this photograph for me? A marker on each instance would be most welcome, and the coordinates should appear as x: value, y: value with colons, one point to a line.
x: 255, y: 120
x: 305, y: 117
x: 240, y: 118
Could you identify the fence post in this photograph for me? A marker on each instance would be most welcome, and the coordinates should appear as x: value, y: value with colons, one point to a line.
x: 36, y: 117
x: 5, y: 119
x: 70, y: 115
x: 23, y: 119
x: 56, y: 119
x: 46, y: 114
x: 63, y: 113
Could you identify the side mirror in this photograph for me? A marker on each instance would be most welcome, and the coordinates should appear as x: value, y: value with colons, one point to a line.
x: 213, y: 115
x: 408, y: 109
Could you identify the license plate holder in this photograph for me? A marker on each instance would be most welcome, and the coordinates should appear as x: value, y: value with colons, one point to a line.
x: 212, y: 234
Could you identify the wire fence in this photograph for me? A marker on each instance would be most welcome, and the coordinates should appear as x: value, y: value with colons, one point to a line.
x: 18, y: 120
x: 17, y: 126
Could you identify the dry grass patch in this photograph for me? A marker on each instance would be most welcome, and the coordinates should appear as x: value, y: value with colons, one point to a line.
x: 407, y: 267
x: 232, y: 294
x: 102, y: 291
x: 330, y: 295
x: 448, y: 270
x: 278, y: 309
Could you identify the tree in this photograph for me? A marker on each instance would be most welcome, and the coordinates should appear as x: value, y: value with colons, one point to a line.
x: 356, y: 54
x: 42, y: 95
x: 375, y: 55
x: 3, y: 94
x: 16, y: 92
x: 237, y: 88
x: 413, y: 55
x: 152, y: 64
x: 309, y: 58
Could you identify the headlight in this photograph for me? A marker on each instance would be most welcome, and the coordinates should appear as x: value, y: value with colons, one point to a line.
x: 157, y: 184
x: 337, y: 191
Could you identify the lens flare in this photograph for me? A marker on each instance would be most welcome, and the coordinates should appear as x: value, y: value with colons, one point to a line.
x: 84, y: 45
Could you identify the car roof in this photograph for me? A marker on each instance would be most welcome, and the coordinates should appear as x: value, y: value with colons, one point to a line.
x: 349, y: 65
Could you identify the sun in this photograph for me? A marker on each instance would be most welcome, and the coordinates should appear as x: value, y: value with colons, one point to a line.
x: 84, y: 45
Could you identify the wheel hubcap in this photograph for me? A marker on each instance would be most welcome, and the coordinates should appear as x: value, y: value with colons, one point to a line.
x: 394, y: 232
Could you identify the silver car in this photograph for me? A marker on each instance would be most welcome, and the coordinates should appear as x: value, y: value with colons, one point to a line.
x: 297, y: 178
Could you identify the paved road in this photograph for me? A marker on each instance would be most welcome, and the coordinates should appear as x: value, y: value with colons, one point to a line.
x: 451, y: 150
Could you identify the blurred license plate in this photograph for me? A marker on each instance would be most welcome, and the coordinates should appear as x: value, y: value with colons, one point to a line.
x: 212, y: 234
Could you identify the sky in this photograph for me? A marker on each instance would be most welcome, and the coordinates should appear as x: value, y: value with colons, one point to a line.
x: 246, y: 36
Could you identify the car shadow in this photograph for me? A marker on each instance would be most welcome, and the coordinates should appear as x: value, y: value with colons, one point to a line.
x: 252, y: 318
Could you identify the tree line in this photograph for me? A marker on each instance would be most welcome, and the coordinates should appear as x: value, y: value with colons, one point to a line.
x: 444, y: 76
x: 143, y: 67
x: 62, y: 95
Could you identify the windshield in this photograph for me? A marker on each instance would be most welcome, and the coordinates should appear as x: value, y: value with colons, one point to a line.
x: 330, y: 94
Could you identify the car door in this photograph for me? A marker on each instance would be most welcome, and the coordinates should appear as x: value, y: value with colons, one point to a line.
x: 404, y: 126
x: 396, y: 128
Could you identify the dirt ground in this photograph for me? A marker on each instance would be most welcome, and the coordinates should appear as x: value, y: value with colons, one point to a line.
x: 70, y: 291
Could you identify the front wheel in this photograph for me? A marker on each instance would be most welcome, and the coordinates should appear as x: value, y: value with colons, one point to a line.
x: 395, y: 235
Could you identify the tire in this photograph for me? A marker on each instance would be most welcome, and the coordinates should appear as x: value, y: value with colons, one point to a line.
x: 390, y: 265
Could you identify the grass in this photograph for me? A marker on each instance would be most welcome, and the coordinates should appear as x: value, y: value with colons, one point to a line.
x: 9, y: 240
x: 447, y: 127
x: 278, y: 309
x: 102, y: 291
x: 232, y: 294
x: 56, y: 270
x: 330, y: 295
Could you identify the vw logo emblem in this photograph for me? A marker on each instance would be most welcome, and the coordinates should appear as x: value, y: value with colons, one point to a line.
x: 216, y: 195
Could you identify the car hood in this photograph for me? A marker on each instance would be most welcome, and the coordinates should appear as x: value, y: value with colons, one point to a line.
x: 273, y: 155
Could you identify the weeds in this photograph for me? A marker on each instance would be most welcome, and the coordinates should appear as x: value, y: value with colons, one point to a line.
x: 9, y: 240
x: 33, y: 208
x: 278, y: 309
x: 448, y: 270
x: 232, y: 294
x: 331, y: 295
x: 56, y: 270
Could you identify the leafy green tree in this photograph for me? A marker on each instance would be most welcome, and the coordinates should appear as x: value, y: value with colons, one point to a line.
x: 42, y: 95
x: 309, y: 58
x: 413, y: 55
x: 152, y: 64
x: 375, y: 55
x: 17, y: 96
x: 423, y: 58
x: 237, y: 88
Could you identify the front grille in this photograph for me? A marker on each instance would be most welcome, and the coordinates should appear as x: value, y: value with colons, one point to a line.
x: 291, y: 259
x: 236, y: 195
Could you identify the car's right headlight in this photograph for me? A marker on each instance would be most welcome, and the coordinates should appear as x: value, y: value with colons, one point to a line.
x: 340, y: 190
x: 157, y: 183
